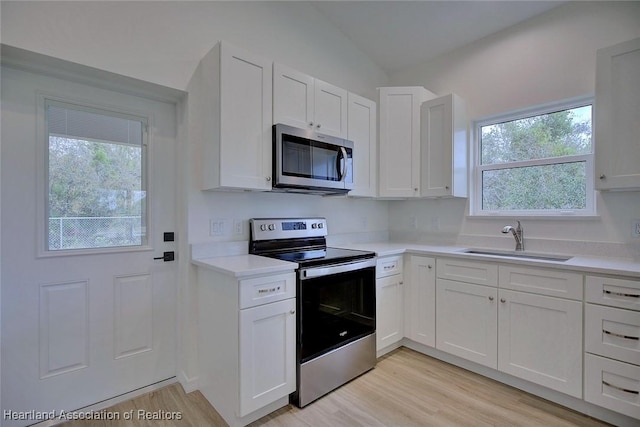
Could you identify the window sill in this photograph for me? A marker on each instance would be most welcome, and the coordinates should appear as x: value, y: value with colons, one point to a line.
x: 520, y: 215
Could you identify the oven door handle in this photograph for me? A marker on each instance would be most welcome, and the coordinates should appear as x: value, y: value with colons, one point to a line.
x: 310, y: 273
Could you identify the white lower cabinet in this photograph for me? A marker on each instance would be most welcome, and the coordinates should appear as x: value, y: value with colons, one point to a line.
x: 267, y: 348
x: 246, y: 343
x: 612, y: 384
x: 612, y: 344
x: 466, y: 321
x: 540, y: 340
x: 534, y: 337
x: 389, y: 302
x: 420, y: 300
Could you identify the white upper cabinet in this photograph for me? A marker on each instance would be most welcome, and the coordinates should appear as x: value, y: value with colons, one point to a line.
x: 361, y: 130
x: 304, y: 102
x: 443, y: 134
x: 230, y: 100
x: 399, y: 130
x: 617, y: 117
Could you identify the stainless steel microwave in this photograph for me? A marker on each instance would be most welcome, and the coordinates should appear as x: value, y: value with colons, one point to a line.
x: 305, y: 161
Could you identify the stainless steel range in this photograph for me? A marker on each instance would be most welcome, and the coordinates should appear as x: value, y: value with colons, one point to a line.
x: 336, y: 299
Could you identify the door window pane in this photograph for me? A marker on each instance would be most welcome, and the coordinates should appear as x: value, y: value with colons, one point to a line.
x: 96, y: 185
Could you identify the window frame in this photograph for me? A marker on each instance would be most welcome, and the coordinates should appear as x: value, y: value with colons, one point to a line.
x: 44, y: 99
x: 475, y: 204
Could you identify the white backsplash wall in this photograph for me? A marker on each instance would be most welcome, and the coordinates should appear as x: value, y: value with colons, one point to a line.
x: 445, y: 221
x: 348, y: 220
x: 547, y: 58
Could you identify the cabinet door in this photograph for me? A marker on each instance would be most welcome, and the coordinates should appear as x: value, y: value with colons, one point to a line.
x: 466, y: 321
x: 293, y: 97
x: 330, y: 109
x: 399, y: 121
x: 540, y: 340
x: 245, y: 120
x: 361, y: 129
x: 443, y: 150
x: 617, y: 128
x: 389, y: 317
x: 267, y: 354
x: 420, y: 298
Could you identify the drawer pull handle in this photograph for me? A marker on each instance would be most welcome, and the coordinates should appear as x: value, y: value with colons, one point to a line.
x: 620, y: 388
x: 620, y: 294
x: 627, y: 337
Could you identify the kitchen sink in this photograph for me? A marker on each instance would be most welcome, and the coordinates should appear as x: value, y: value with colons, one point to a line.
x: 514, y: 254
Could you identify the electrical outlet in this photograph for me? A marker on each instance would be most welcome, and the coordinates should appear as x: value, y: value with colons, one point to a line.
x: 364, y: 222
x: 237, y: 226
x: 216, y: 227
x: 413, y: 223
x: 635, y: 230
x: 435, y: 223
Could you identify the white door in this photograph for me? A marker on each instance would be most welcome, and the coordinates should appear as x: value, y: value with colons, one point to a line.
x: 330, y: 109
x: 292, y: 97
x: 534, y: 327
x: 389, y: 317
x: 467, y: 321
x: 87, y: 313
x: 420, y: 298
x: 267, y: 354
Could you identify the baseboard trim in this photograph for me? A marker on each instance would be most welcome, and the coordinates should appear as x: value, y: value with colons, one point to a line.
x: 557, y: 397
x: 99, y: 406
x: 189, y: 385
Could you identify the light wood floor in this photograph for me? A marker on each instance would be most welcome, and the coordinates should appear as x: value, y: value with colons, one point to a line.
x: 405, y: 389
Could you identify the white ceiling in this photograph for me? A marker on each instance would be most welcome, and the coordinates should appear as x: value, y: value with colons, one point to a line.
x: 398, y: 34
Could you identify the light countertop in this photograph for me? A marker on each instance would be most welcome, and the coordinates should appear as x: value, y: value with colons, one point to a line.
x: 246, y: 265
x: 597, y: 265
x: 252, y: 265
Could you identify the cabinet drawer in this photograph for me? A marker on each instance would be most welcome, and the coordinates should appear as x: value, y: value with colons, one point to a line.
x: 266, y: 289
x: 479, y: 273
x: 623, y: 293
x: 613, y: 332
x: 541, y: 281
x: 612, y: 384
x: 389, y: 266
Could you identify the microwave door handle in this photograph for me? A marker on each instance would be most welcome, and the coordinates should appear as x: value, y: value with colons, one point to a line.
x: 343, y: 172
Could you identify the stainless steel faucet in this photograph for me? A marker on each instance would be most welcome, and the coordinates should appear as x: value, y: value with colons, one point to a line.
x: 518, y: 234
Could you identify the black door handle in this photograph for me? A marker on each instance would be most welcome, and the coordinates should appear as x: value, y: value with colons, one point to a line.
x: 167, y: 256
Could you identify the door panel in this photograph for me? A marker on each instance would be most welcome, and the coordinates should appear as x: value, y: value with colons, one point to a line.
x: 80, y: 327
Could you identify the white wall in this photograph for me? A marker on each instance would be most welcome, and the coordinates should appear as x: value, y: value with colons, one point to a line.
x: 547, y: 58
x: 162, y: 42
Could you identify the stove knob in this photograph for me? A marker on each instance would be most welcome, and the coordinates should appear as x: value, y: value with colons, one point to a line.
x: 320, y: 225
x: 263, y: 227
x: 314, y: 225
x: 272, y: 227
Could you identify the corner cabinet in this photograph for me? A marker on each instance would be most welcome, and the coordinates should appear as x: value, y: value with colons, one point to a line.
x: 420, y: 300
x: 230, y: 110
x: 305, y: 102
x: 246, y: 343
x: 361, y: 129
x: 443, y: 135
x: 617, y: 117
x: 389, y: 303
x: 399, y: 136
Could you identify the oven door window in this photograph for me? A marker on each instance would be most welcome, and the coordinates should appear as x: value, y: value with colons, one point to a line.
x: 305, y: 158
x: 335, y: 310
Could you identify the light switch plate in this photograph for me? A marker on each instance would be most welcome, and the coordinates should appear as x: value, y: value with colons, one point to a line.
x: 635, y: 230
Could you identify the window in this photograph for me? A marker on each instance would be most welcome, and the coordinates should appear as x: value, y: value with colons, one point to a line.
x: 95, y: 165
x: 535, y: 163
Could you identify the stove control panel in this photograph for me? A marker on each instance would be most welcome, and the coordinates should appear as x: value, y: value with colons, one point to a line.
x: 287, y: 228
